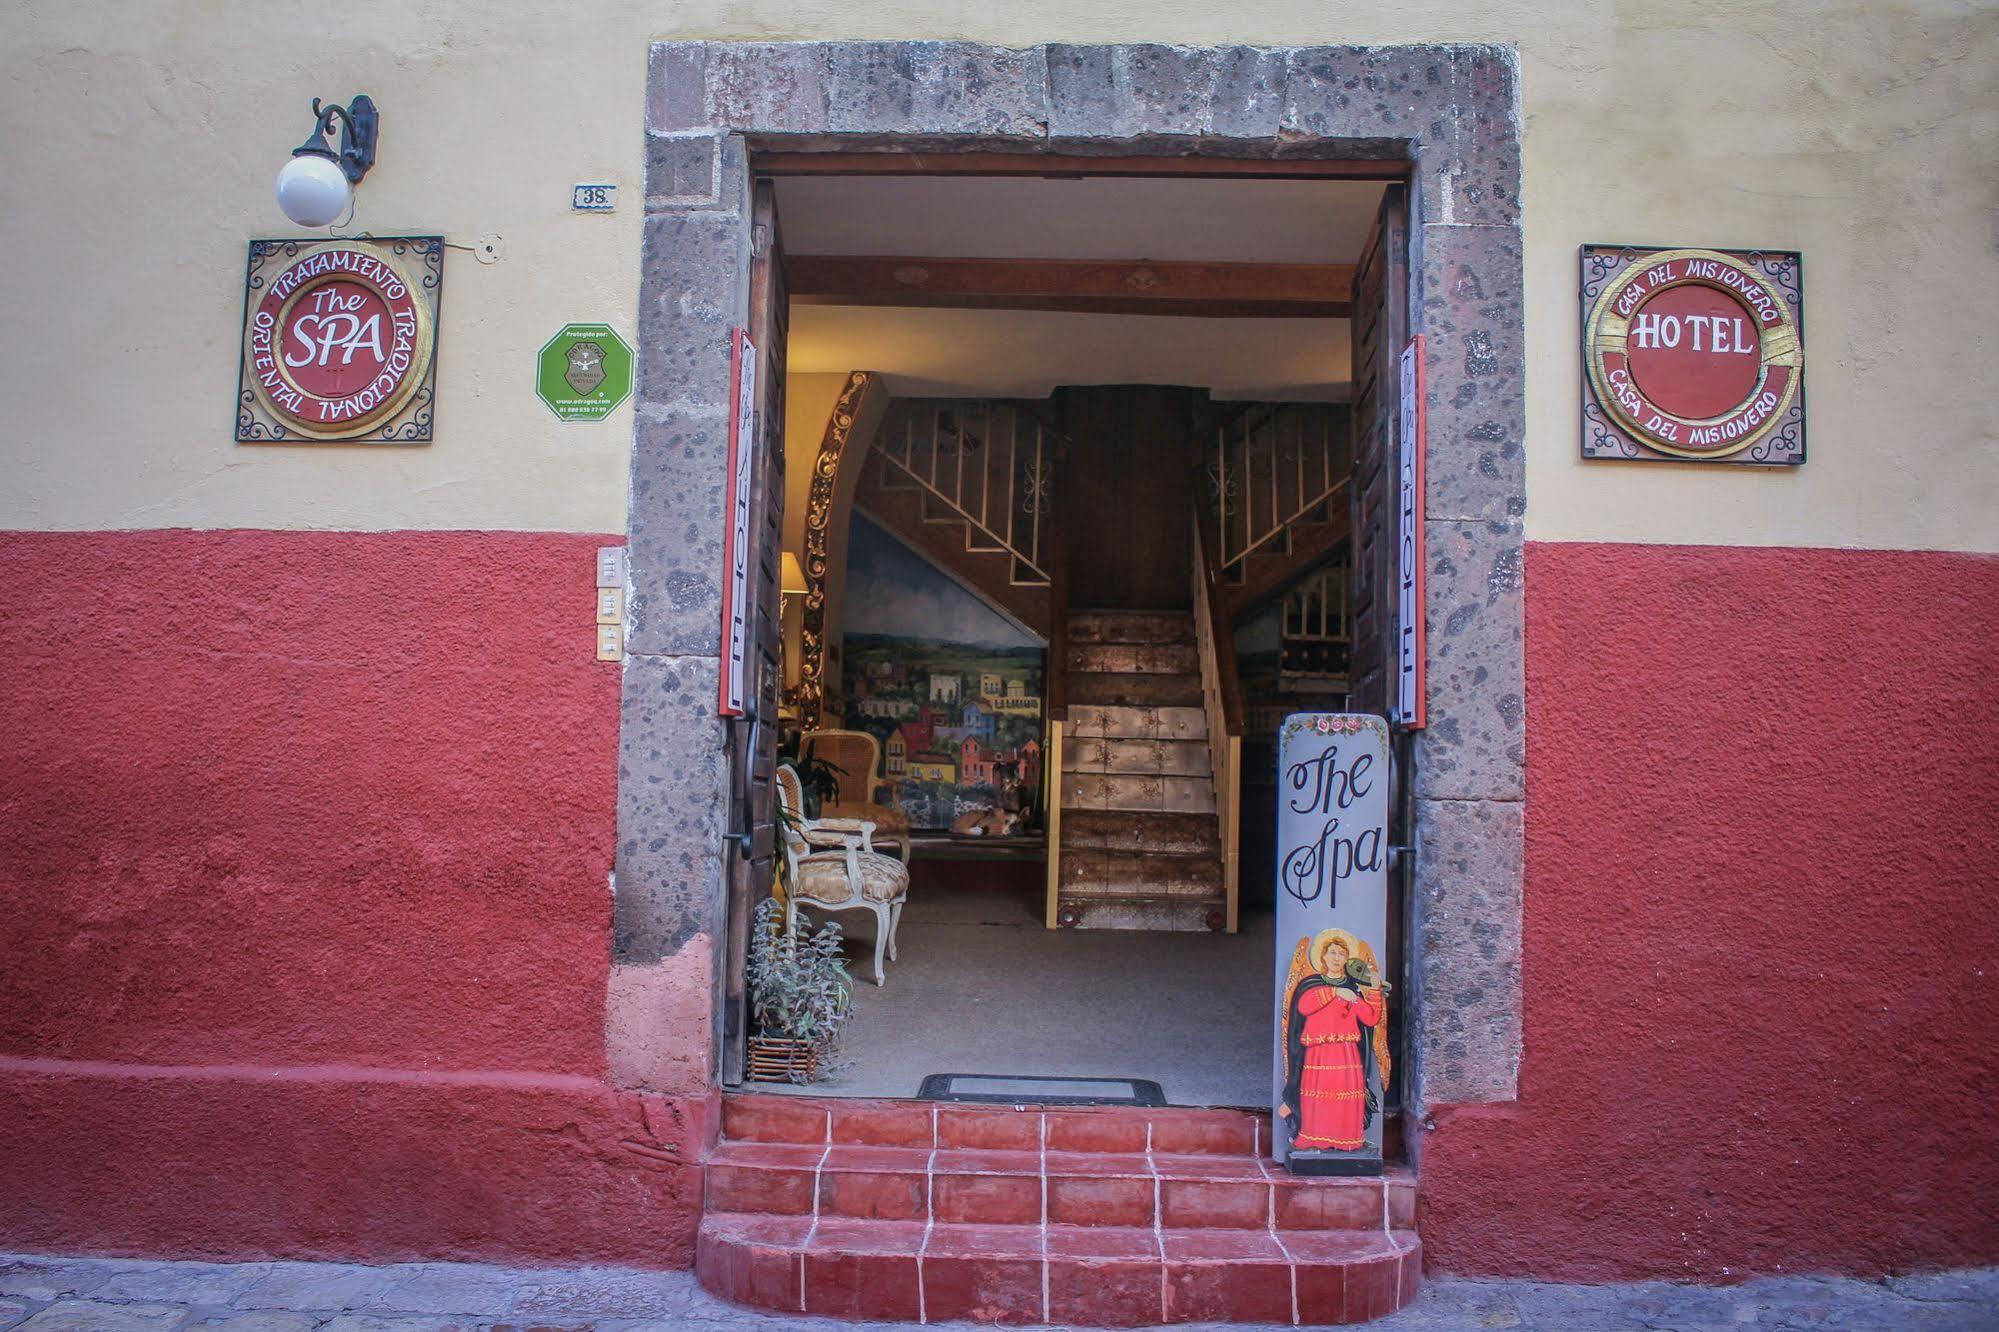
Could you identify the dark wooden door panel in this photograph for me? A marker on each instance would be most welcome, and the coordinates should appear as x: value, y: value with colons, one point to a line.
x: 1127, y: 493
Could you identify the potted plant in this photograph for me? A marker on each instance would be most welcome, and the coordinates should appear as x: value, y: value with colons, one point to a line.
x: 800, y: 995
x: 818, y: 778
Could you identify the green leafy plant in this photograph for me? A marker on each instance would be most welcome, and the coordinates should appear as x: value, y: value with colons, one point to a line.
x: 799, y: 986
x: 818, y: 778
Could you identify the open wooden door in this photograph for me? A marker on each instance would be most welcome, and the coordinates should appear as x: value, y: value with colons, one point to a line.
x: 1380, y: 331
x: 753, y: 736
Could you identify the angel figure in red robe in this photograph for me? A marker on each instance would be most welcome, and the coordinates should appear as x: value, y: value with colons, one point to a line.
x: 1335, y: 1043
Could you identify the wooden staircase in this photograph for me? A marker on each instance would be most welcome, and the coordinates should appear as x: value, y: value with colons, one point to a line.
x: 1139, y: 844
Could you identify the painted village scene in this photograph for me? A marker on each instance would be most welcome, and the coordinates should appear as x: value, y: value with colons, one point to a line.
x: 949, y: 687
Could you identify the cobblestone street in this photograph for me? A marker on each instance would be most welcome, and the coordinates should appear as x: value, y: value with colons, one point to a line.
x: 44, y: 1294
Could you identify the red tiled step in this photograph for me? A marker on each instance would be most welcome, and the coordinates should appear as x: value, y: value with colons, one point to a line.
x: 1175, y: 1129
x: 1102, y: 1276
x: 979, y: 1186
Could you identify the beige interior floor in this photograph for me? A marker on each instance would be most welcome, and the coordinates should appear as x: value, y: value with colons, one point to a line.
x: 982, y: 987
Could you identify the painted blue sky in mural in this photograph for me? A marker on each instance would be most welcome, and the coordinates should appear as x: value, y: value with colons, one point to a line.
x: 892, y: 590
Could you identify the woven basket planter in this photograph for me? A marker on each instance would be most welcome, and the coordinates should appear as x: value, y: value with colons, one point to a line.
x: 782, y: 1059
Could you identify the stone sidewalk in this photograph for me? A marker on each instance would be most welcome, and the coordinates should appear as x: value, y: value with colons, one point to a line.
x: 45, y: 1294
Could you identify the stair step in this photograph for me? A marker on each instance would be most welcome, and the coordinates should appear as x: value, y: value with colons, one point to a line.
x: 1112, y: 721
x: 1139, y: 876
x: 1121, y: 626
x: 1090, y: 1275
x: 844, y: 1121
x: 1180, y: 758
x: 1123, y: 830
x: 1145, y: 658
x: 1176, y: 795
x: 1136, y: 690
x: 991, y: 1187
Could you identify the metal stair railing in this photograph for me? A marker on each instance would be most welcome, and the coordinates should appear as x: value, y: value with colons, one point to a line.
x: 987, y: 464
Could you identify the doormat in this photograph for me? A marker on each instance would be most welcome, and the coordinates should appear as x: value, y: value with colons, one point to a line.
x: 1024, y: 1090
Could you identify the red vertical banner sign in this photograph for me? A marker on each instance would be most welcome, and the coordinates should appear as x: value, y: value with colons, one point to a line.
x: 1411, y: 692
x: 736, y: 608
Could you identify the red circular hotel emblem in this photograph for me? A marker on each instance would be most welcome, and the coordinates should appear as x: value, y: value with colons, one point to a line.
x: 338, y: 341
x: 1693, y: 353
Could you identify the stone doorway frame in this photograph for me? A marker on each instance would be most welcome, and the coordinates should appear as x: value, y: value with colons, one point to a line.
x: 1450, y: 111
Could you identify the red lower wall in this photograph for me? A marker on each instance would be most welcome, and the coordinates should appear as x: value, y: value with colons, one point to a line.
x: 1761, y: 946
x: 304, y: 853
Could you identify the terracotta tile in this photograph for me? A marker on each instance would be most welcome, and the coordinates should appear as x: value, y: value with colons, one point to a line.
x: 1214, y: 1202
x: 1004, y: 1130
x: 769, y: 1155
x: 861, y: 1284
x: 848, y: 1234
x: 883, y: 1123
x: 881, y: 1160
x: 1102, y: 1242
x: 1229, y: 1291
x: 1411, y: 1275
x: 1373, y: 1287
x: 1322, y: 1291
x: 752, y: 1261
x: 1336, y: 1246
x: 1209, y: 1132
x: 1104, y: 1292
x: 773, y: 1119
x: 984, y: 1287
x: 756, y: 1189
x: 1096, y: 1130
x: 1217, y: 1245
x: 1184, y: 1166
x: 1100, y: 1164
x: 1084, y: 1200
x: 871, y: 1194
x: 954, y: 1240
x: 1328, y: 1204
x: 1003, y: 1200
x: 1402, y: 1204
x: 982, y: 1161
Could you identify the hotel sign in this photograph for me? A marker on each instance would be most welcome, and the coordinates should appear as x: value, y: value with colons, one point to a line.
x: 1693, y: 355
x: 1331, y: 1069
x: 339, y: 341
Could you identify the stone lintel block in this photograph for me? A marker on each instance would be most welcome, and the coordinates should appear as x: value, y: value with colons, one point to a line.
x: 947, y: 89
x: 1474, y: 747
x: 677, y: 87
x: 676, y: 522
x: 1360, y: 92
x: 673, y: 776
x: 695, y: 291
x: 1467, y: 923
x: 696, y: 169
x: 1138, y: 93
x: 1467, y: 293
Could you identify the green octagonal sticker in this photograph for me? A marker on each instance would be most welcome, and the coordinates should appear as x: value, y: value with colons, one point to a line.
x: 584, y: 372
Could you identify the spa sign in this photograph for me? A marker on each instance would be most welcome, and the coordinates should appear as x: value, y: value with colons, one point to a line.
x: 1330, y: 1072
x: 1693, y: 355
x: 339, y: 341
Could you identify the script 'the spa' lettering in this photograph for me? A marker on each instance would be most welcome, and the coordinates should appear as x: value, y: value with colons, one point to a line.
x: 1322, y: 785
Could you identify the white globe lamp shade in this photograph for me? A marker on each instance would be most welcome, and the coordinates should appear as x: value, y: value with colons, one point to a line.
x: 313, y: 190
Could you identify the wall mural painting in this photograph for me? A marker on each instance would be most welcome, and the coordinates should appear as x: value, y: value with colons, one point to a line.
x: 951, y: 689
x: 1331, y: 1071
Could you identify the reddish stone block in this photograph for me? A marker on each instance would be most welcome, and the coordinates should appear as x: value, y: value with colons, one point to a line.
x: 864, y: 1270
x: 773, y: 1119
x: 973, y: 1161
x: 1374, y: 1287
x: 999, y: 1200
x: 1321, y: 1292
x: 1232, y: 1290
x: 1401, y: 1203
x: 1094, y: 1200
x: 1104, y: 1292
x: 1097, y: 1130
x: 1099, y: 1164
x: 1214, y: 1246
x: 1207, y: 1167
x: 752, y: 1260
x: 878, y: 1160
x: 880, y: 1196
x: 970, y: 1241
x: 1001, y: 1130
x: 755, y: 1188
x: 1102, y: 1242
x: 985, y: 1287
x: 1194, y: 1203
x: 769, y: 1155
x: 1410, y: 1273
x: 1205, y: 1132
x: 1327, y: 1204
x: 884, y: 1123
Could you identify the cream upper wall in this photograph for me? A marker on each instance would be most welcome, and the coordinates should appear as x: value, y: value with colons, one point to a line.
x: 142, y: 138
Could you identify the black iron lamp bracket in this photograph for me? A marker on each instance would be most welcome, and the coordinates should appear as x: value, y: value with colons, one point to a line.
x: 358, y: 124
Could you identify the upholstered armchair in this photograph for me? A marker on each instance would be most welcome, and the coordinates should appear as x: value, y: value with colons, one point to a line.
x: 858, y: 757
x: 838, y: 869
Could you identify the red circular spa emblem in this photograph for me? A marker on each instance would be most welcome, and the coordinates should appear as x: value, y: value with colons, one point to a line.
x: 338, y: 341
x: 1693, y: 353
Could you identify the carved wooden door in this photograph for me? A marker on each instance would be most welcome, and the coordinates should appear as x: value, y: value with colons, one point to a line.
x: 753, y: 737
x: 1380, y: 328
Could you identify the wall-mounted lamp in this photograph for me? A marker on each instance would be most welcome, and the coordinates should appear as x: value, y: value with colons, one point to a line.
x: 316, y: 187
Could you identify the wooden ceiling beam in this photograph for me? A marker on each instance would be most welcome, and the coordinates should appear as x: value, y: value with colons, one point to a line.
x: 1232, y: 291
